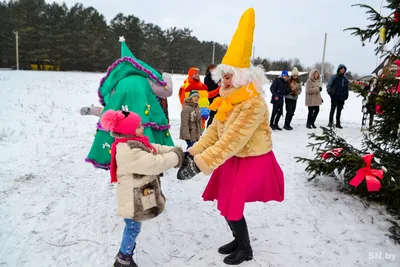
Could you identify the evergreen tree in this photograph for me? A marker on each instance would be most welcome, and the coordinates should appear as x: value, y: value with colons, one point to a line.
x: 79, y: 38
x: 383, y: 138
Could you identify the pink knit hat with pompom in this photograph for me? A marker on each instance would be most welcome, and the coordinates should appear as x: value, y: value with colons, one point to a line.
x: 122, y: 122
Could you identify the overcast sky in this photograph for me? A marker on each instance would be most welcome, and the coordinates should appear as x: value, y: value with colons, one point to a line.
x: 284, y: 28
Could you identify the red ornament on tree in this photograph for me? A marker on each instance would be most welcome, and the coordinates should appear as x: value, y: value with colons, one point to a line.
x: 397, y: 16
x: 379, y: 110
x: 332, y: 153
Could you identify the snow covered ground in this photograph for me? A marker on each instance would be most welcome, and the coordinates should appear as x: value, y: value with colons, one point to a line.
x: 57, y: 210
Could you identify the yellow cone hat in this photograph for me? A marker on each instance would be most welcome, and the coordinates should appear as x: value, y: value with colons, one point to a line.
x: 240, y: 49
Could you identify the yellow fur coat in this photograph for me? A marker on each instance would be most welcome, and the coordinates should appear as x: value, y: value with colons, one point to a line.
x: 244, y: 133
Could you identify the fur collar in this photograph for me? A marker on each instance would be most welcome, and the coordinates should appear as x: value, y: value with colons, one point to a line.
x: 136, y: 144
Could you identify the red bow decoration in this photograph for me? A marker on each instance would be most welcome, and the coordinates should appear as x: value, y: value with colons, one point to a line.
x: 373, y: 184
x: 332, y: 153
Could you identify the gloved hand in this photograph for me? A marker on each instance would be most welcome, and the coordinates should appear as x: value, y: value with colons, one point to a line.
x: 189, y: 168
x: 320, y: 89
x: 85, y: 111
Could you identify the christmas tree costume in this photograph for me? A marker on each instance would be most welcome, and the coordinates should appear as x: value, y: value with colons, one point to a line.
x: 126, y: 86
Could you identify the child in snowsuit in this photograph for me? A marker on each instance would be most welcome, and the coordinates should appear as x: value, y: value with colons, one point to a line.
x: 135, y: 165
x: 191, y: 119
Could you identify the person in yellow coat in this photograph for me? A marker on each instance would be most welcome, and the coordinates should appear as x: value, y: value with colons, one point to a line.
x: 237, y: 146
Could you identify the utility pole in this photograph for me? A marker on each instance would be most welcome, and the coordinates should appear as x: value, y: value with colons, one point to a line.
x: 323, y: 60
x: 16, y: 49
x: 213, y: 53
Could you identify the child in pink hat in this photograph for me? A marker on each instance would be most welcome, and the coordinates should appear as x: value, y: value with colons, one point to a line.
x: 136, y: 165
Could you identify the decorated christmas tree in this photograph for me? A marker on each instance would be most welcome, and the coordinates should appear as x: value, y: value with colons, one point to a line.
x: 372, y: 170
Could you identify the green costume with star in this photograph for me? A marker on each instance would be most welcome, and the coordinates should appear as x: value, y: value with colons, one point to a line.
x: 126, y: 87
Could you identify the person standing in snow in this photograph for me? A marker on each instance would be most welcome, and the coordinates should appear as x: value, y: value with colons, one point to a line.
x: 291, y: 98
x: 279, y: 89
x: 193, y: 83
x: 191, y: 120
x: 313, y: 97
x: 338, y: 90
x: 211, y: 85
x: 135, y: 165
x: 237, y: 143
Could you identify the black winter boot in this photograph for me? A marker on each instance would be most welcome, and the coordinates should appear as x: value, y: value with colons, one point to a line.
x: 288, y: 120
x: 124, y: 260
x: 287, y: 127
x: 277, y: 118
x: 338, y: 114
x: 230, y: 247
x: 244, y: 251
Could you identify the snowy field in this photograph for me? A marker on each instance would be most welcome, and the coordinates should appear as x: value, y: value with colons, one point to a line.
x: 57, y: 210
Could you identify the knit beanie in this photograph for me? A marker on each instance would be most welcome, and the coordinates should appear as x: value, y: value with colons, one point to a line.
x: 193, y: 93
x: 285, y: 73
x: 122, y: 122
x: 295, y: 71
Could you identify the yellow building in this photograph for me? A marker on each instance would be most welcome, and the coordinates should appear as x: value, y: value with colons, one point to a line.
x: 45, y: 64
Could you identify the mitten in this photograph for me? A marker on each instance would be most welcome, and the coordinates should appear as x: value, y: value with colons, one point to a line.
x: 189, y: 169
x: 179, y: 152
x: 320, y: 89
x: 85, y: 111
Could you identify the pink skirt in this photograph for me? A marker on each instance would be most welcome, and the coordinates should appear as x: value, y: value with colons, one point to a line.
x: 241, y: 180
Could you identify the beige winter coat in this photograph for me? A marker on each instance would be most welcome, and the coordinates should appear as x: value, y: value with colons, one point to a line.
x: 245, y: 133
x: 190, y: 122
x: 139, y: 193
x: 313, y: 95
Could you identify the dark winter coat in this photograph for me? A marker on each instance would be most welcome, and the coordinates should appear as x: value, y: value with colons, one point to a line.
x: 338, y: 85
x: 190, y: 122
x: 279, y: 88
x: 211, y: 86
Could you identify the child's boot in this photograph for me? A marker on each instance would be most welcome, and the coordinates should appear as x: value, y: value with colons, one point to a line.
x: 124, y: 260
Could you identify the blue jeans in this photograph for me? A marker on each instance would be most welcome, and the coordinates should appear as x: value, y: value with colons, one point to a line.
x: 132, y: 230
